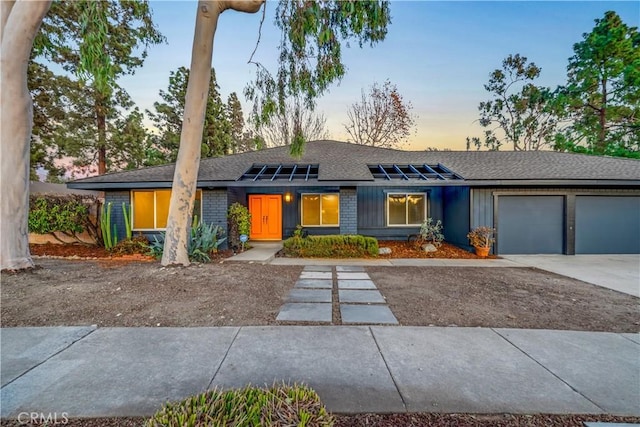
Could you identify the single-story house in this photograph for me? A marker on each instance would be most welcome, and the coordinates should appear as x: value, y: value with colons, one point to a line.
x: 540, y: 202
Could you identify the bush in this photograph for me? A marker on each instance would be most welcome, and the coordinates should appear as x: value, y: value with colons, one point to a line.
x: 203, y: 240
x: 332, y: 246
x: 276, y: 406
x: 68, y: 214
x: 135, y: 245
x: 239, y: 220
x: 430, y: 233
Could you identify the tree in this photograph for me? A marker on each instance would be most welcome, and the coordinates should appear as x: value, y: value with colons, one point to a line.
x: 19, y: 24
x: 310, y: 60
x: 602, y: 95
x: 217, y: 138
x: 520, y: 113
x: 381, y: 119
x: 71, y: 31
x: 295, y: 120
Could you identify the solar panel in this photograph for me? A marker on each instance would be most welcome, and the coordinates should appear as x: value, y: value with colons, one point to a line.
x: 422, y: 172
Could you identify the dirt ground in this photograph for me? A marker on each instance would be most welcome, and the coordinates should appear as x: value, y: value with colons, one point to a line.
x: 118, y: 293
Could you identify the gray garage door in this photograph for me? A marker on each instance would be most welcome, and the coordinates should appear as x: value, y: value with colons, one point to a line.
x: 530, y: 224
x: 607, y: 225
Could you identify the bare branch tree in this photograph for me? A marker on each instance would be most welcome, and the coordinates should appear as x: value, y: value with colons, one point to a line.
x: 382, y: 118
x: 296, y: 119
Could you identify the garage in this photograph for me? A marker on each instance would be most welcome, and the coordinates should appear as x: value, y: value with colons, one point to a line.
x: 530, y: 225
x: 607, y: 225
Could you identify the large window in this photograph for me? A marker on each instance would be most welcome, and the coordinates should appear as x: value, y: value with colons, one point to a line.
x: 151, y: 208
x: 407, y: 209
x: 320, y: 210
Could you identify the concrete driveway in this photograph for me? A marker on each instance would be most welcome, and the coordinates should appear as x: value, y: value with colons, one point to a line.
x: 618, y: 272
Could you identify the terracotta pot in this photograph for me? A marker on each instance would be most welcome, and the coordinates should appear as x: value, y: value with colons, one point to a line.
x: 482, y: 251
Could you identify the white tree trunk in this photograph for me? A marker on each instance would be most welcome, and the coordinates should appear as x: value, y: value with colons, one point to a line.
x: 19, y: 22
x: 188, y: 162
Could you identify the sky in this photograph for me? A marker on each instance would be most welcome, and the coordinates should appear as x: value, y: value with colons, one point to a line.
x: 438, y: 54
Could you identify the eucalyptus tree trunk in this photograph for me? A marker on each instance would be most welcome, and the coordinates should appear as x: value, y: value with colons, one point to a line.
x: 188, y: 162
x: 19, y: 24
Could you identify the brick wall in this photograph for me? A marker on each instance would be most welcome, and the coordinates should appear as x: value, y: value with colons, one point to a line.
x: 348, y: 211
x: 214, y: 209
x: 117, y: 198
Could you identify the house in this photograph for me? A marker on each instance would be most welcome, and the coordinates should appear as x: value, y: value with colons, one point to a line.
x: 540, y: 202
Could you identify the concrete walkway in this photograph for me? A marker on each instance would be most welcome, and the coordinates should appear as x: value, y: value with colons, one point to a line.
x: 89, y: 372
x: 618, y: 272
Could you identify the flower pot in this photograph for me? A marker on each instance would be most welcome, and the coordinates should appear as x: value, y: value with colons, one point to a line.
x: 482, y: 251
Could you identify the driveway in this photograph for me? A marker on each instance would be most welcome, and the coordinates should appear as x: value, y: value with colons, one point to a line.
x: 618, y: 272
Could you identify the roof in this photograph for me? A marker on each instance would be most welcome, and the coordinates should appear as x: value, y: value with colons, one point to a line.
x: 37, y: 187
x: 346, y: 163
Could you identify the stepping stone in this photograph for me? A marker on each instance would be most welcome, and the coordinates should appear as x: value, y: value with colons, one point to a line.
x: 352, y: 268
x: 316, y: 275
x: 356, y: 284
x: 314, y: 283
x: 361, y: 296
x: 305, y: 312
x: 309, y: 295
x: 367, y: 314
x: 317, y: 268
x: 352, y: 276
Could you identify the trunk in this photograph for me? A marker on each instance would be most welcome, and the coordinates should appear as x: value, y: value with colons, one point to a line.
x: 102, y: 136
x: 20, y: 22
x: 602, y: 132
x: 188, y: 162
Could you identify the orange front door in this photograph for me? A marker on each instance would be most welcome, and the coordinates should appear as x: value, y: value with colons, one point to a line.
x: 266, y: 216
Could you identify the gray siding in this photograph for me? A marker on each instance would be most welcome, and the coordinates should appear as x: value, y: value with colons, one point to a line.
x: 482, y: 207
x: 456, y: 215
x: 214, y: 210
x: 348, y: 211
x: 117, y: 198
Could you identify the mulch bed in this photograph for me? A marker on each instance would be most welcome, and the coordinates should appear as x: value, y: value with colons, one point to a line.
x: 409, y: 250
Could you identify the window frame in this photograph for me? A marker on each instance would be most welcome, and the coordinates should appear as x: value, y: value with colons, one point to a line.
x: 321, y: 224
x: 425, y: 195
x: 155, y: 210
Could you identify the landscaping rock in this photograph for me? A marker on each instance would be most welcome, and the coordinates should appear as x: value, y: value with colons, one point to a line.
x: 384, y: 251
x: 429, y: 248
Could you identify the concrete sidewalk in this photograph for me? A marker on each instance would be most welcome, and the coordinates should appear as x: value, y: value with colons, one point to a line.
x: 90, y: 372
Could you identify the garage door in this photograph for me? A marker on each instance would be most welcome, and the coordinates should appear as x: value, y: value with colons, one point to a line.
x: 607, y: 225
x: 530, y: 224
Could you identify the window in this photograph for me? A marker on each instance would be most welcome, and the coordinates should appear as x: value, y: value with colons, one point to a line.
x: 406, y: 208
x: 320, y: 210
x: 151, y: 208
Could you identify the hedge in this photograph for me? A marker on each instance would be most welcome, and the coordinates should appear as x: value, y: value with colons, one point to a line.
x: 331, y: 246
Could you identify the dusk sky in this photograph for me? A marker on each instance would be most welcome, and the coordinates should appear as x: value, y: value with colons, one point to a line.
x: 439, y: 54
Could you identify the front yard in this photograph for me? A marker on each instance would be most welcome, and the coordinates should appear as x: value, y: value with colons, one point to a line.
x: 116, y: 293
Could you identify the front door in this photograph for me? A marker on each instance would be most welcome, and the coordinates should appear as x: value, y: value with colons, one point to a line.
x: 266, y: 216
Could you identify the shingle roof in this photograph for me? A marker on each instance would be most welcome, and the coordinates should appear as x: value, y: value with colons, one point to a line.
x: 340, y: 161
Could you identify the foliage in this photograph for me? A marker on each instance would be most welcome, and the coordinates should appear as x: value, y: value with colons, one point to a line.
x: 132, y: 245
x: 311, y: 53
x: 203, y: 240
x: 128, y: 220
x: 279, y: 405
x: 296, y: 120
x: 481, y: 237
x: 381, y: 119
x: 109, y: 233
x: 239, y: 222
x: 331, y: 246
x: 520, y: 114
x: 69, y: 215
x: 223, y: 122
x: 430, y: 233
x: 88, y: 118
x: 602, y: 96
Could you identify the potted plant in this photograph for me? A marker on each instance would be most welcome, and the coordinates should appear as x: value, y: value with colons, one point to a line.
x: 481, y: 239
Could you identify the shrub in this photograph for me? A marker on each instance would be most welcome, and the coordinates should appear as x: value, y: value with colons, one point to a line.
x: 332, y: 246
x: 239, y: 220
x: 481, y: 237
x: 430, y: 233
x: 68, y: 214
x: 135, y: 245
x: 203, y: 240
x: 281, y: 405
